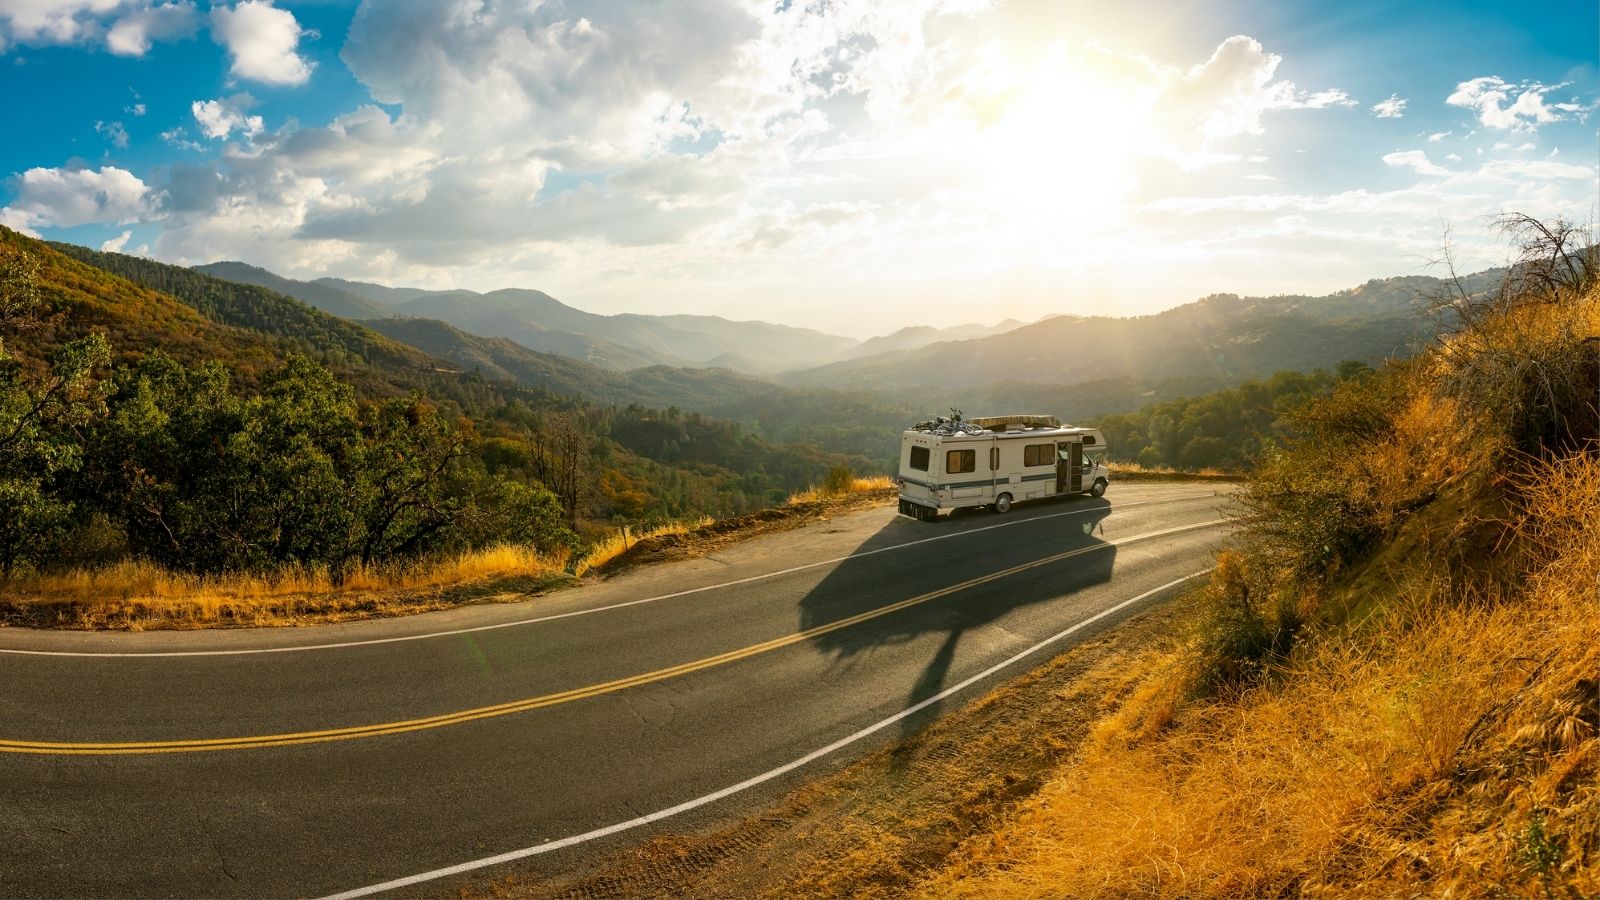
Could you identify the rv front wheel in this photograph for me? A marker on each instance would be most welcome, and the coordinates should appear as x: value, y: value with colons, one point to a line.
x: 1099, y: 488
x: 1002, y: 504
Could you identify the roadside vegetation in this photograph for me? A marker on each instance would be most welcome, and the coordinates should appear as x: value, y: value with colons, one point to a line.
x: 183, y: 450
x: 1223, y: 431
x: 1391, y: 684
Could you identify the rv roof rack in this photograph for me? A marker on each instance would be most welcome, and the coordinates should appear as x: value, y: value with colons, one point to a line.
x: 952, y: 425
x: 1001, y: 423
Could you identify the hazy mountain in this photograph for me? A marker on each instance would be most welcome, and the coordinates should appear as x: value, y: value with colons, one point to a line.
x: 540, y: 322
x: 377, y: 292
x: 914, y: 336
x: 1220, y: 340
x: 681, y: 340
x: 324, y: 297
x: 478, y: 314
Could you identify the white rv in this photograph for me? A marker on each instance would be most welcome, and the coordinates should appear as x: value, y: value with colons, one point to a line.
x: 947, y: 463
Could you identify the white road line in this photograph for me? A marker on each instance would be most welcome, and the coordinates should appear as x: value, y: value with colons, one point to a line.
x: 784, y: 769
x: 159, y: 654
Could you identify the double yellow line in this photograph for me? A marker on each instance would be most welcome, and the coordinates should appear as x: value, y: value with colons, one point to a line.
x: 63, y: 748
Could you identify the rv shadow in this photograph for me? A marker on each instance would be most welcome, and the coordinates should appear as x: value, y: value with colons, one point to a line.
x: 937, y: 625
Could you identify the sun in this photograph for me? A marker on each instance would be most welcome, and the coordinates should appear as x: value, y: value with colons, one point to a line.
x: 1060, y: 155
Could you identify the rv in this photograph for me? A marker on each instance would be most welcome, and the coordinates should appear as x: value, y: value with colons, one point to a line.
x: 948, y: 463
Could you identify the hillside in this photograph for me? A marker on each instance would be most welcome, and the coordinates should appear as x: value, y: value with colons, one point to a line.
x: 540, y: 322
x: 475, y: 314
x: 913, y: 337
x: 1214, y: 342
x: 146, y: 305
x: 378, y: 293
x: 327, y: 298
x: 713, y: 391
x: 1387, y: 688
x: 645, y: 463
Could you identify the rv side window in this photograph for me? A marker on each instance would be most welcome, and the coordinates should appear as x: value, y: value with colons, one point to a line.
x: 958, y: 461
x: 919, y: 458
x: 1039, y: 455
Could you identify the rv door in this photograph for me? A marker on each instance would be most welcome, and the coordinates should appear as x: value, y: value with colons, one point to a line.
x: 1069, y: 467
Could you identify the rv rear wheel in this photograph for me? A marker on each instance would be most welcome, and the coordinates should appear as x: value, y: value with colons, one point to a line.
x: 1099, y: 488
x: 1002, y: 504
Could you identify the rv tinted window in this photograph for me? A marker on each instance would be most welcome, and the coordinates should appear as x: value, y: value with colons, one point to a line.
x: 958, y: 461
x: 919, y: 458
x: 1039, y: 455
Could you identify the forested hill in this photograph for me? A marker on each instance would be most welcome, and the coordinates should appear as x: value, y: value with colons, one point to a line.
x: 151, y: 305
x: 643, y: 464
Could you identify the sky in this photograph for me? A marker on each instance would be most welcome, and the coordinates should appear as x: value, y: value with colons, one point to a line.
x: 844, y: 165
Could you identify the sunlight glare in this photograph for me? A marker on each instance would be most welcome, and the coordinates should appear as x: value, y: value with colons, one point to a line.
x: 1058, y: 160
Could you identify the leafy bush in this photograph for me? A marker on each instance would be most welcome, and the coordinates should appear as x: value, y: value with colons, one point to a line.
x: 1246, y: 627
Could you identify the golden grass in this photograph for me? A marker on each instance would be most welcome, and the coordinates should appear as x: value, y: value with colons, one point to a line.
x: 1135, y: 470
x: 141, y: 594
x: 815, y: 493
x: 1424, y: 752
x: 623, y: 539
x: 1441, y: 737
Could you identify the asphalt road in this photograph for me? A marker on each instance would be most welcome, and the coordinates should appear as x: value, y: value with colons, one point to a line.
x: 306, y: 762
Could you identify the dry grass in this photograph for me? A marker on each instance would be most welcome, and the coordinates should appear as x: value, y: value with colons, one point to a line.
x: 1451, y: 744
x: 1436, y: 733
x: 1133, y: 471
x: 816, y: 493
x: 624, y: 539
x: 138, y: 595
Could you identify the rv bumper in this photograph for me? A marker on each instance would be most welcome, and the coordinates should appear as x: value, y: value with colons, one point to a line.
x: 916, y: 509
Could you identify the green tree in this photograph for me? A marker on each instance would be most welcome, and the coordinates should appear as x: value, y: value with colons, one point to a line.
x: 401, y: 482
x: 42, y: 410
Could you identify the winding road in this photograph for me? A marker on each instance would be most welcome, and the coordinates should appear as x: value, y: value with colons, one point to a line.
x: 393, y: 755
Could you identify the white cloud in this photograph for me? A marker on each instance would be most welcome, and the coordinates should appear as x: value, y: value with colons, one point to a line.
x: 125, y: 27
x: 116, y: 244
x: 114, y: 132
x: 68, y: 197
x: 136, y: 110
x: 1392, y: 108
x: 1227, y: 95
x: 178, y: 136
x: 1501, y: 105
x: 219, y: 118
x: 1439, y: 136
x: 1453, y: 157
x: 1415, y: 160
x: 263, y: 41
x: 133, y: 32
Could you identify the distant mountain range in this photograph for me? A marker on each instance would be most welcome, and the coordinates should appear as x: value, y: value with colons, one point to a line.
x: 1215, y: 342
x: 837, y: 394
x: 913, y: 337
x: 540, y: 322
